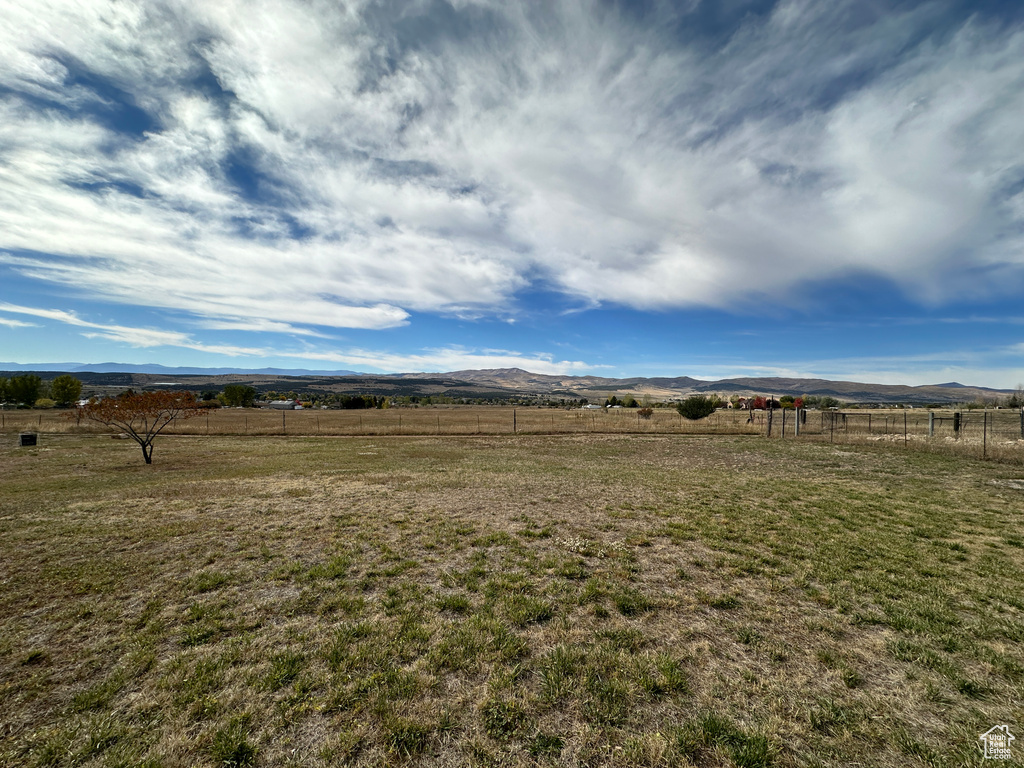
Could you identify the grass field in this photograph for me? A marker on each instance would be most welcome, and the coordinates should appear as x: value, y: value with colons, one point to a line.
x: 590, y: 600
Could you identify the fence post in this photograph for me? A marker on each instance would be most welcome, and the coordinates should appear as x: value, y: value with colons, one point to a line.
x: 796, y: 424
x: 904, y: 428
x: 284, y: 429
x: 1022, y: 422
x: 956, y: 424
x: 513, y: 421
x: 984, y: 433
x: 931, y: 423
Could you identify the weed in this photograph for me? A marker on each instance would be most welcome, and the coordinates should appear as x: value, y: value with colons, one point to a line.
x: 460, y: 604
x: 504, y: 719
x: 524, y: 609
x: 231, y: 747
x: 632, y: 602
x: 284, y: 668
x: 405, y: 738
x: 545, y: 745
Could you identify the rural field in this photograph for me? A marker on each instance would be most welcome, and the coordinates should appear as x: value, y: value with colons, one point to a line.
x: 577, y: 599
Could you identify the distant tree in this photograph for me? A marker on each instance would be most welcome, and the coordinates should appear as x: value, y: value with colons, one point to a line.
x: 208, y: 394
x: 25, y: 389
x: 239, y: 395
x: 65, y: 390
x: 828, y: 402
x: 759, y: 403
x: 787, y: 401
x: 646, y: 412
x: 696, y: 407
x: 630, y: 402
x: 613, y: 400
x: 142, y: 416
x: 1016, y: 400
x: 798, y: 402
x: 3, y: 389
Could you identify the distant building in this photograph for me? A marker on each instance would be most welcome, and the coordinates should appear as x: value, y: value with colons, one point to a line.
x: 283, y: 405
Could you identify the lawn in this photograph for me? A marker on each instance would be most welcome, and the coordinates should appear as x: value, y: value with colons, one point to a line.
x: 524, y: 600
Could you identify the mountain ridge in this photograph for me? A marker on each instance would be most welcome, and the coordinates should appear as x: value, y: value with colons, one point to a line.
x: 501, y: 383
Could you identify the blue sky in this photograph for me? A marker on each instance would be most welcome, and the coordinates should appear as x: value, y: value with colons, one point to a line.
x: 739, y: 187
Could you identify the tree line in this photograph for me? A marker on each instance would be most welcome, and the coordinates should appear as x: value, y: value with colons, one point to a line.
x: 30, y: 391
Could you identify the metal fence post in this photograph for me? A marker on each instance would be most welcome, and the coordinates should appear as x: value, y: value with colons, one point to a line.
x: 984, y: 434
x: 796, y: 424
x: 931, y: 423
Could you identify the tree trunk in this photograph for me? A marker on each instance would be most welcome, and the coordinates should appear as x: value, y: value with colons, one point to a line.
x: 147, y: 452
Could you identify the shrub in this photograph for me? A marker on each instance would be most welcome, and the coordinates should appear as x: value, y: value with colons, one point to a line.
x: 696, y: 407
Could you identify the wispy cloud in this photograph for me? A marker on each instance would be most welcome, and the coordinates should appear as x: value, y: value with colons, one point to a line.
x: 131, y: 336
x: 307, y: 165
x: 11, y: 323
x: 428, y: 360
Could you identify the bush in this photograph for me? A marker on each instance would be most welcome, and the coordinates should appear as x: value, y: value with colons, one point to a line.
x: 696, y: 407
x: 646, y: 412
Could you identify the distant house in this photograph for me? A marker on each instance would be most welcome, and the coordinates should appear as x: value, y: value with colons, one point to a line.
x: 283, y: 405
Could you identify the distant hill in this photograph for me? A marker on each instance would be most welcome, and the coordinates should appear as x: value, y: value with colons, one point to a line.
x: 496, y: 384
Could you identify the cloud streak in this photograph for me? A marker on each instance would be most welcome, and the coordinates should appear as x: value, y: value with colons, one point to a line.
x: 438, y: 359
x: 291, y: 166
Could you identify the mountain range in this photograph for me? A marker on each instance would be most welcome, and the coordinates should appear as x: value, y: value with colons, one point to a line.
x: 496, y: 384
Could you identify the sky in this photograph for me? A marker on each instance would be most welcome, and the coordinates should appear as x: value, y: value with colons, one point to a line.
x: 709, y: 188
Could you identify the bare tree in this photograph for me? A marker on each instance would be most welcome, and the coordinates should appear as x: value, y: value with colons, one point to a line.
x: 142, y: 416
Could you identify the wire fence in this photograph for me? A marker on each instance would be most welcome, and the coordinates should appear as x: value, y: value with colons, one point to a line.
x: 996, y: 433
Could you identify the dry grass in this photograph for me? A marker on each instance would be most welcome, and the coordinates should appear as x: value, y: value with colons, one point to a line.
x: 575, y: 600
x: 995, y: 435
x: 436, y: 420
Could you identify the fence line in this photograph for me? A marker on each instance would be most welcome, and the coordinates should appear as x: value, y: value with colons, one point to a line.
x: 980, y: 432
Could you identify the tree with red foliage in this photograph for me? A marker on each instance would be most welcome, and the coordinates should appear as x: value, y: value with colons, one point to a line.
x: 760, y: 403
x: 798, y: 402
x: 143, y: 415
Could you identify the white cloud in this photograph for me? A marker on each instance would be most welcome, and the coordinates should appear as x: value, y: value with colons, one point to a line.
x: 400, y: 168
x: 10, y: 323
x: 429, y: 360
x: 131, y: 336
